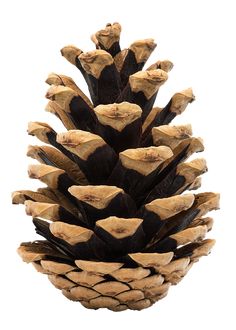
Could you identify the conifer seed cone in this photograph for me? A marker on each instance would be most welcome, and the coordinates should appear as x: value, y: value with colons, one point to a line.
x: 119, y: 223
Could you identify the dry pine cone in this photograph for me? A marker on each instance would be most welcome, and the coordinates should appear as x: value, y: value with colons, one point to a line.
x: 118, y: 229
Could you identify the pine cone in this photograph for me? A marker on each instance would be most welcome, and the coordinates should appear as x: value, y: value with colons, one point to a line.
x: 118, y: 229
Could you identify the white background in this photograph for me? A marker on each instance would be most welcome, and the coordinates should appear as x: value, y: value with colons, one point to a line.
x: 199, y: 37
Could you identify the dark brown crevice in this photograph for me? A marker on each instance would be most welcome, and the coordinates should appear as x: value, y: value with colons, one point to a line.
x: 82, y: 114
x: 129, y: 137
x: 163, y: 174
x: 105, y: 89
x: 165, y: 116
x: 121, y: 205
x: 138, y: 98
x: 130, y: 66
x: 95, y: 248
x: 113, y: 50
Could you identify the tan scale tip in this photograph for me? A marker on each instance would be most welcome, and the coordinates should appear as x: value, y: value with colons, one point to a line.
x: 198, y: 164
x: 146, y: 283
x: 95, y: 61
x: 164, y: 65
x: 43, y: 210
x: 120, y: 58
x: 39, y: 171
x: 130, y: 274
x: 118, y: 115
x: 62, y: 95
x: 35, y: 251
x: 119, y: 227
x: 53, y: 79
x: 56, y: 267
x: 171, y: 135
x: 168, y: 207
x: 76, y: 137
x: 52, y: 107
x: 72, y: 234
x: 176, y: 265
x: 204, y: 248
x: 18, y: 197
x: 32, y: 151
x: 192, y: 169
x: 108, y: 36
x: 28, y: 255
x: 152, y: 259
x: 111, y: 288
x: 57, y: 79
x: 94, y: 39
x: 60, y: 282
x: 142, y: 49
x: 207, y: 202
x: 190, y: 235
x: 208, y: 222
x: 195, y: 184
x: 80, y: 142
x: 98, y: 267
x: 71, y: 53
x: 84, y: 278
x: 39, y: 130
x: 196, y: 145
x: 35, y: 125
x: 145, y: 160
x: 179, y: 132
x: 96, y: 196
x: 180, y: 101
x: 156, y: 77
x: 147, y: 82
x: 46, y: 173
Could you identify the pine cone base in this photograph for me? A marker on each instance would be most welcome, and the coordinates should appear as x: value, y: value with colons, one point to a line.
x: 109, y: 285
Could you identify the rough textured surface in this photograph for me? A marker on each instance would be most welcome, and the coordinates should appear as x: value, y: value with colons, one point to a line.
x: 118, y: 229
x: 133, y: 288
